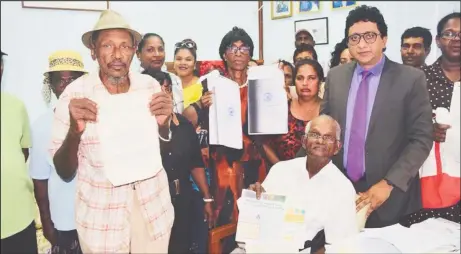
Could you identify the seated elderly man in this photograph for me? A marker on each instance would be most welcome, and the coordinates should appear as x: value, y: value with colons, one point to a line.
x: 315, y: 182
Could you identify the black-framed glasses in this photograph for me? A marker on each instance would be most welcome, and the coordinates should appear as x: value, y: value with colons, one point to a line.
x: 185, y: 44
x: 242, y: 49
x: 369, y: 37
x: 315, y: 136
x: 450, y: 35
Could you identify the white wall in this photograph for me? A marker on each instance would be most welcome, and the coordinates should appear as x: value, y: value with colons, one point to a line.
x: 30, y: 35
x: 279, y: 34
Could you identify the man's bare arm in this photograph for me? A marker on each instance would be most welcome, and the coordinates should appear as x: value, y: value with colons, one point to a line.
x: 66, y: 160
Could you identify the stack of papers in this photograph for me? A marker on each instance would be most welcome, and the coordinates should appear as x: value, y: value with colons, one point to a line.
x: 267, y: 225
x: 427, y: 237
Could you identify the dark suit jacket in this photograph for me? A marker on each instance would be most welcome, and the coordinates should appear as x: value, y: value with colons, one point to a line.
x: 399, y: 136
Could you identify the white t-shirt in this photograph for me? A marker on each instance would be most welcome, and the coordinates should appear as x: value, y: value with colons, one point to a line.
x: 328, y: 198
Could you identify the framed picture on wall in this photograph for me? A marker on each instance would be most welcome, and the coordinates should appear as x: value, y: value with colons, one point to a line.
x: 281, y: 9
x: 308, y: 6
x: 68, y: 5
x: 337, y: 5
x: 317, y: 27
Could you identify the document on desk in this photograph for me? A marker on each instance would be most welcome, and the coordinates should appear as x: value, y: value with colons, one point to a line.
x: 128, y: 136
x: 268, y: 220
x: 267, y: 101
x: 225, y: 118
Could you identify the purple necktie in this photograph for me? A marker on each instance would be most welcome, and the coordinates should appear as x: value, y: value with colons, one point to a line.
x: 356, y: 149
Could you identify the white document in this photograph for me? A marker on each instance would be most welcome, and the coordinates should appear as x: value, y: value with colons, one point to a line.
x: 268, y: 225
x: 128, y: 135
x: 267, y: 101
x: 224, y: 115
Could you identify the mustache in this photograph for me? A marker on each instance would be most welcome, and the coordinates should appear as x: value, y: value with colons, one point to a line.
x: 116, y: 63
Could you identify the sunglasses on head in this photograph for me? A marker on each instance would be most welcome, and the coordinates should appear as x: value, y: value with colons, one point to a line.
x: 185, y: 44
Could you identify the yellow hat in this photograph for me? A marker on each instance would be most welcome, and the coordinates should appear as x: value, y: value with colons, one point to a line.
x: 65, y: 60
x: 110, y: 20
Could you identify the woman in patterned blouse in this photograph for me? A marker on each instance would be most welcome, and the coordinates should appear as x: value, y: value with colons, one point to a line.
x: 308, y: 75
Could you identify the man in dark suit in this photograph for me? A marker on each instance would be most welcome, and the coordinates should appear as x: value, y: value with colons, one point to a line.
x: 385, y: 113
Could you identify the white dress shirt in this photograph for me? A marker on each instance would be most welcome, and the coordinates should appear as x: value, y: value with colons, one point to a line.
x: 60, y: 194
x: 328, y: 197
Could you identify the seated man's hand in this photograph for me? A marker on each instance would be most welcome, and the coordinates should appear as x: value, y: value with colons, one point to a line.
x: 258, y: 188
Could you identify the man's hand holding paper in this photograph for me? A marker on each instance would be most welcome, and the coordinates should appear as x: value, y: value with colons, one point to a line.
x: 81, y: 111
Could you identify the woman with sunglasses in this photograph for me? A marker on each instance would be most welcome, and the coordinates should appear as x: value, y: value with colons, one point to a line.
x: 151, y: 53
x: 181, y: 158
x: 308, y: 75
x: 185, y: 59
x: 233, y: 169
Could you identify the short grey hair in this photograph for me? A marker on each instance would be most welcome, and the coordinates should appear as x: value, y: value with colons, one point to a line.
x: 328, y: 118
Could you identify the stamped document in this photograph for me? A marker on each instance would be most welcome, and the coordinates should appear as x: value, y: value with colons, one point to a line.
x: 128, y: 135
x: 267, y: 101
x: 225, y: 113
x: 268, y: 224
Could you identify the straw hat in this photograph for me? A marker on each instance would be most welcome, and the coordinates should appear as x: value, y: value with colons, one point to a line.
x: 62, y: 60
x: 110, y: 20
x: 65, y: 60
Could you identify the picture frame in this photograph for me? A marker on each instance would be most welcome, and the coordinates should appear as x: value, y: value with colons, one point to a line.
x: 318, y: 27
x: 340, y: 5
x: 308, y: 6
x: 67, y: 5
x: 281, y: 9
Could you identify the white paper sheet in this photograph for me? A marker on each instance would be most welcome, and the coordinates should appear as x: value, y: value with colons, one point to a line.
x: 128, y: 135
x: 224, y: 115
x: 268, y: 225
x: 267, y: 101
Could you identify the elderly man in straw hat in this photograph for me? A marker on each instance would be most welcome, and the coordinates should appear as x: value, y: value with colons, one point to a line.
x: 55, y: 197
x: 18, y: 206
x: 135, y: 217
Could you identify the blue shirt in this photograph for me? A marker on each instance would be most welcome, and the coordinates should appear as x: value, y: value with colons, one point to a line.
x: 61, y: 194
x: 373, y: 82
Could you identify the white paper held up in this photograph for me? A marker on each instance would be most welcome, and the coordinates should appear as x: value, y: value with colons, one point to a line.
x: 224, y: 114
x: 128, y: 135
x: 267, y: 101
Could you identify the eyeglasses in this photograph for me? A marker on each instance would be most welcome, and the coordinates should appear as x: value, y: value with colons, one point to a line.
x: 450, y: 35
x: 315, y: 136
x: 63, y: 82
x: 242, y: 49
x: 369, y: 37
x: 124, y: 49
x: 185, y: 44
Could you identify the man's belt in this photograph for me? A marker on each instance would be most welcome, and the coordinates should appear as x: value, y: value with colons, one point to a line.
x: 175, y: 189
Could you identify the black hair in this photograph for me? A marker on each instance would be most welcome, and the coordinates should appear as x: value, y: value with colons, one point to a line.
x: 286, y: 63
x: 365, y: 13
x: 336, y: 54
x: 443, y: 22
x: 193, y: 50
x: 95, y: 36
x: 160, y: 76
x: 147, y: 36
x: 416, y: 32
x: 317, y: 68
x: 304, y: 48
x: 236, y: 34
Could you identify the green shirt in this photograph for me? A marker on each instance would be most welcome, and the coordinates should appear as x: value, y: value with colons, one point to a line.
x: 18, y: 206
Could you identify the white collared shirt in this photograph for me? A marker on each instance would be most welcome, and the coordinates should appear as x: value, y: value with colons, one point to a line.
x: 61, y: 194
x: 328, y: 197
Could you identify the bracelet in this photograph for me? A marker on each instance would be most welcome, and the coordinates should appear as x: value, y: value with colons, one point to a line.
x: 208, y: 200
x: 165, y: 140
